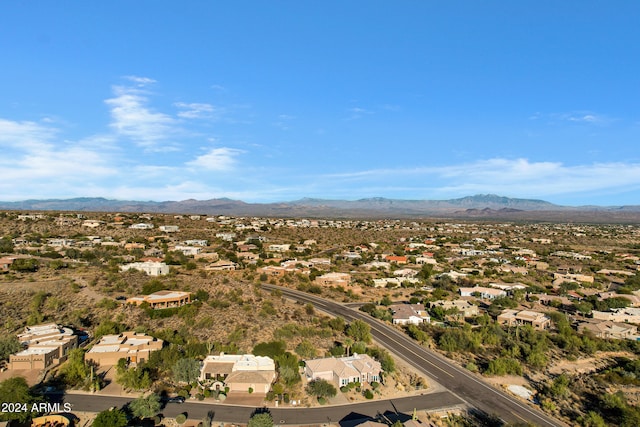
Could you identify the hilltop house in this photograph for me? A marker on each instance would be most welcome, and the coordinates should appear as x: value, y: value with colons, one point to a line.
x: 333, y: 279
x: 238, y: 372
x: 344, y: 370
x: 609, y: 330
x: 463, y: 307
x: 151, y: 268
x: 162, y: 299
x: 539, y: 321
x: 482, y: 292
x: 46, y: 345
x: 404, y: 314
x: 132, y: 346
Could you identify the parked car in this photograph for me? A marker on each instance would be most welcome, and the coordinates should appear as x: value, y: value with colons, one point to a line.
x: 176, y: 399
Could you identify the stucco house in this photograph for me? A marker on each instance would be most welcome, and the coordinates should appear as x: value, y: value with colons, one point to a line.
x: 609, y: 330
x: 539, y: 321
x: 131, y: 346
x: 239, y: 372
x: 150, y: 268
x: 409, y: 314
x: 333, y: 279
x: 162, y: 299
x: 46, y: 345
x: 483, y: 292
x: 344, y: 370
x: 463, y: 307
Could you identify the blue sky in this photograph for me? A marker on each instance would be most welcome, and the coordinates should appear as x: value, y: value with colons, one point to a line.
x: 275, y: 101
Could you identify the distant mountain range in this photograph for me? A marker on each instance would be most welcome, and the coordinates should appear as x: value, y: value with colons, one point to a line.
x: 488, y: 206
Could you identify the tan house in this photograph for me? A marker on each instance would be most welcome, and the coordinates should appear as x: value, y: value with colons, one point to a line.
x: 464, y: 307
x: 626, y: 315
x: 344, y: 370
x: 333, y: 279
x: 5, y: 264
x: 539, y: 321
x: 162, y: 299
x: 482, y: 292
x: 222, y: 265
x: 239, y: 372
x: 409, y: 314
x: 609, y: 330
x: 132, y: 346
x: 46, y: 345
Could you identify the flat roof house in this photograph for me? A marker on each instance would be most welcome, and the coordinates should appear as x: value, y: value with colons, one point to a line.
x: 333, y: 279
x: 483, y: 292
x: 150, y: 268
x: 46, y: 345
x: 132, y: 346
x: 162, y: 299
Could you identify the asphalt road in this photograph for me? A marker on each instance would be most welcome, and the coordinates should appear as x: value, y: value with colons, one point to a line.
x: 240, y: 414
x: 462, y: 383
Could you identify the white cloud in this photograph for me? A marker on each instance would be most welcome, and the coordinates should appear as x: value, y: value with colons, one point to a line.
x: 197, y: 110
x: 141, y: 81
x: 217, y: 159
x: 357, y: 113
x: 511, y: 177
x: 132, y: 118
x: 40, y: 165
x: 25, y: 134
x: 585, y: 117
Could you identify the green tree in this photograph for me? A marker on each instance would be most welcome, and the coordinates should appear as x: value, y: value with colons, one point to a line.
x: 186, y: 370
x: 288, y: 368
x: 359, y: 331
x: 337, y: 324
x: 76, y: 371
x: 110, y: 418
x: 145, y: 407
x: 306, y: 350
x: 6, y: 245
x: 321, y: 388
x: 263, y: 419
x: 16, y: 390
x: 592, y: 419
x: 270, y: 349
x: 25, y: 265
x: 137, y: 378
x: 9, y: 345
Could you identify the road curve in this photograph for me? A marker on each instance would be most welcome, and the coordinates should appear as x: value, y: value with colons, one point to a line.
x: 464, y: 384
x: 292, y: 416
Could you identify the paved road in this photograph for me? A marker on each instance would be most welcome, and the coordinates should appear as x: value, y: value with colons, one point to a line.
x: 241, y: 414
x: 461, y: 382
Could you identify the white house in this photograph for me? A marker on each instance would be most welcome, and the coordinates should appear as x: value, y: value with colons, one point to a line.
x: 141, y: 226
x: 150, y: 268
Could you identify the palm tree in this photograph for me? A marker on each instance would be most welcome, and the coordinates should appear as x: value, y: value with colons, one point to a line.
x: 348, y: 342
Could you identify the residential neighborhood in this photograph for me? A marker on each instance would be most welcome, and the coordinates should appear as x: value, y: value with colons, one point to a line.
x: 185, y: 313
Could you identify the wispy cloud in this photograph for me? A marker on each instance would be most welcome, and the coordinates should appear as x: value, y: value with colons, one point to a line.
x: 511, y: 177
x: 26, y: 134
x: 198, y: 110
x: 583, y: 117
x: 216, y: 159
x: 357, y: 113
x: 141, y: 81
x: 283, y: 121
x: 42, y: 165
x: 133, y: 118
